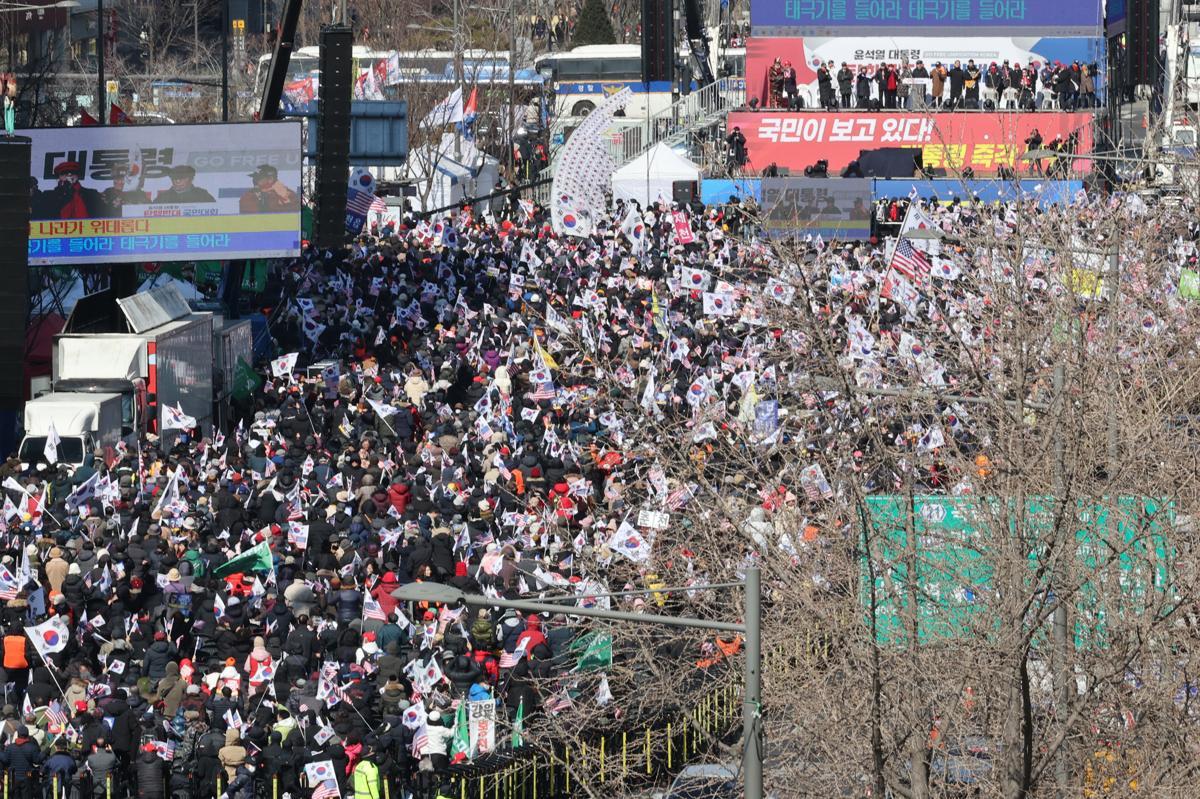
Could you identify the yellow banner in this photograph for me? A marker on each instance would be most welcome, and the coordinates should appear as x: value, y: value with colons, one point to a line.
x: 166, y: 225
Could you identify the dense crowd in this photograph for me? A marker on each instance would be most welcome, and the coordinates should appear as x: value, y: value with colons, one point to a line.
x: 474, y: 401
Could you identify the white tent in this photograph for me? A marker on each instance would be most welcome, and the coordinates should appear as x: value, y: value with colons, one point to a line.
x: 648, y: 177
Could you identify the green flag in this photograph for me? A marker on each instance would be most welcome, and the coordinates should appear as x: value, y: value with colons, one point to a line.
x: 1189, y: 284
x: 597, y: 652
x: 246, y: 381
x: 461, y: 748
x: 255, y: 559
x: 519, y: 726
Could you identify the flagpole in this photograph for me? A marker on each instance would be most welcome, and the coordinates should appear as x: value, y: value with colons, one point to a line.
x: 42, y: 502
x: 49, y: 668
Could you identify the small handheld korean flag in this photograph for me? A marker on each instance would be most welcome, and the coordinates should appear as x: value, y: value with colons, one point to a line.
x: 52, y: 442
x: 176, y: 419
x: 49, y: 637
x: 283, y: 366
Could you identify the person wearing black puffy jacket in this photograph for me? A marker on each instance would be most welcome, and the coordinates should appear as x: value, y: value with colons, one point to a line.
x: 20, y: 760
x: 150, y: 773
x: 463, y: 673
x: 158, y: 655
x: 349, y: 603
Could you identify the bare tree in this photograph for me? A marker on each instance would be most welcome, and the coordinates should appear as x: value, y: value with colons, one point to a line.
x: 972, y: 504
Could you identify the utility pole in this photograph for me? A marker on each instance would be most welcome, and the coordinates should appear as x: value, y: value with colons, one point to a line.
x: 511, y: 127
x: 458, y: 76
x: 1062, y: 674
x: 751, y: 628
x: 224, y: 60
x: 752, y: 752
x: 101, y: 93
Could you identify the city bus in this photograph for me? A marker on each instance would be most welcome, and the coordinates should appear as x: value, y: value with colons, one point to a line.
x: 583, y: 77
x: 413, y: 64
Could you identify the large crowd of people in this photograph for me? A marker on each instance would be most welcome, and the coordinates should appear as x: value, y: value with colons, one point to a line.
x: 939, y: 86
x: 471, y: 401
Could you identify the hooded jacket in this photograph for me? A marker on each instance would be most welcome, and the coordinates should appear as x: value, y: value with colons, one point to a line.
x: 232, y: 754
x: 158, y: 655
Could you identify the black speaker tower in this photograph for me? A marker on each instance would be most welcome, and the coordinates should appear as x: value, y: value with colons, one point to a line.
x: 658, y: 41
x: 15, y: 154
x: 1141, y: 32
x: 333, y: 138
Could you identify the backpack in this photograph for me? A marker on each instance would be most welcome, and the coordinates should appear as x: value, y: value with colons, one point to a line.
x: 210, y: 744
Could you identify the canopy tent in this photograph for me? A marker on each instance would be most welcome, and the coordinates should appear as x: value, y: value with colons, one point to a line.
x: 449, y: 172
x: 649, y: 177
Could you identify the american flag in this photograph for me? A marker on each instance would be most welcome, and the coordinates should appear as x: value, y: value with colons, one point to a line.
x: 910, y: 262
x: 679, y: 497
x: 372, y: 609
x: 363, y: 203
x: 509, y: 660
x: 558, y: 703
x: 55, y: 715
x: 544, y: 392
x: 326, y: 790
x: 165, y: 749
x: 420, y: 741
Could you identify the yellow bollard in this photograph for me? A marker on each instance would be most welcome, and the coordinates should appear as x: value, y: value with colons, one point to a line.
x: 535, y: 777
x: 462, y: 789
x: 649, y: 767
x: 669, y: 744
x: 482, y: 784
x: 387, y: 789
x: 108, y: 785
x: 56, y: 792
x: 624, y: 755
x: 567, y: 767
x: 274, y: 788
x: 602, y: 742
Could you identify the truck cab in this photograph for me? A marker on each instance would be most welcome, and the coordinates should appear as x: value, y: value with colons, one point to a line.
x: 84, y: 422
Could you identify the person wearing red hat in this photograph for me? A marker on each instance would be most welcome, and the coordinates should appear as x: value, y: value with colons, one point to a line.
x: 382, y: 592
x: 151, y: 771
x: 69, y: 199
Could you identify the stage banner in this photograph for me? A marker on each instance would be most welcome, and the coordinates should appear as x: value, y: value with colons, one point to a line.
x: 941, y: 17
x: 135, y: 193
x: 985, y: 142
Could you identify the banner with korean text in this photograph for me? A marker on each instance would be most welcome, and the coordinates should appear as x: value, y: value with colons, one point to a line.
x: 985, y: 142
x: 139, y: 193
x: 943, y: 17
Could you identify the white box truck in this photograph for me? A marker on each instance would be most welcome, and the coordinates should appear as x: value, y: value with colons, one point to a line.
x: 83, y: 422
x: 166, y: 356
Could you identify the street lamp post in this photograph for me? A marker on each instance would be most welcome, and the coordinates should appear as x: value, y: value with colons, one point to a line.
x: 752, y: 750
x: 101, y: 93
